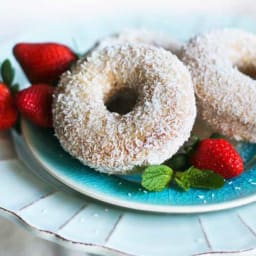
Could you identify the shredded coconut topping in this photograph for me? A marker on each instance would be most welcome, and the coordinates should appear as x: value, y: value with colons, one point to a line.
x: 152, y: 132
x: 225, y: 96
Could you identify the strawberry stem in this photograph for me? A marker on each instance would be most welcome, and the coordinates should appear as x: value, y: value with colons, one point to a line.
x: 8, y: 73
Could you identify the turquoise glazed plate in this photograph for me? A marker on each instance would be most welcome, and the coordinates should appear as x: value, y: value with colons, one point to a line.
x: 119, y: 191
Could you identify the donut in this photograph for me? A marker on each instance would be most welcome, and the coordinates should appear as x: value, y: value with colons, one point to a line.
x: 142, y: 36
x: 158, y: 123
x: 223, y: 69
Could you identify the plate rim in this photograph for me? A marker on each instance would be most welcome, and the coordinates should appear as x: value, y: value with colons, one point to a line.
x: 188, y: 209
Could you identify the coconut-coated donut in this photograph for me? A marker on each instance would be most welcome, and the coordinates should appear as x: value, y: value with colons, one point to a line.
x: 159, y: 123
x: 139, y: 36
x: 220, y: 63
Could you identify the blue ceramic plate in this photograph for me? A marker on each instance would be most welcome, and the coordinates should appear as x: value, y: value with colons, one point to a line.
x: 119, y: 191
x: 113, y: 189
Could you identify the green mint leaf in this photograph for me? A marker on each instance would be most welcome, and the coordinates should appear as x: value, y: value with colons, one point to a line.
x: 196, y: 178
x: 206, y: 179
x: 182, y: 181
x: 156, y: 177
x: 179, y: 162
x: 7, y: 72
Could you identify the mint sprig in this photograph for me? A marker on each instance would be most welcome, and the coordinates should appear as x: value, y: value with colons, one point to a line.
x: 185, y: 176
x: 196, y: 178
x: 156, y: 177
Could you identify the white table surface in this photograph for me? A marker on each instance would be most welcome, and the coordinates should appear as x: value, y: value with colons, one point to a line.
x: 16, y: 15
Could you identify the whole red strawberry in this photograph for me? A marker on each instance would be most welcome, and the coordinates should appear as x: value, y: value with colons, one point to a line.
x: 8, y: 113
x: 219, y: 156
x: 43, y: 62
x: 35, y: 104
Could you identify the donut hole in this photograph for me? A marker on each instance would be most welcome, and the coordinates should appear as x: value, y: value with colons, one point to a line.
x: 248, y: 70
x: 122, y: 101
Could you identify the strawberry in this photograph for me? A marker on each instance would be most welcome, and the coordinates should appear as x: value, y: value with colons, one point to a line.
x: 34, y: 103
x: 219, y: 156
x: 8, y: 113
x: 43, y: 62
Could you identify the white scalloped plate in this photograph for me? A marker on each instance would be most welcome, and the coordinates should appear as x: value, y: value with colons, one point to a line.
x: 79, y: 222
